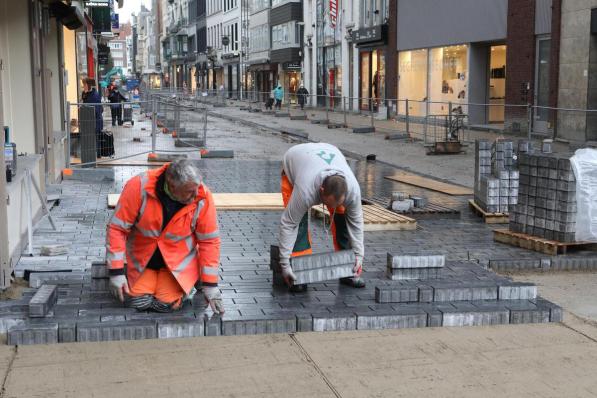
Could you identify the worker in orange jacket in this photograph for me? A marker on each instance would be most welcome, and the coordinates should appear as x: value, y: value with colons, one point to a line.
x: 165, y: 225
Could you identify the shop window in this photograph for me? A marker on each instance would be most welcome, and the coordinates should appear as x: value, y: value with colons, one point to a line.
x: 448, y: 78
x: 412, y: 81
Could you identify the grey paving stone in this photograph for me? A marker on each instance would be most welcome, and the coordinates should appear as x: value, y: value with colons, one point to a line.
x: 401, y: 261
x: 43, y: 301
x: 114, y: 331
x: 213, y: 325
x: 258, y: 324
x: 517, y: 291
x: 391, y: 320
x: 334, y: 322
x: 67, y: 332
x: 33, y: 333
x: 37, y: 279
x: 181, y: 327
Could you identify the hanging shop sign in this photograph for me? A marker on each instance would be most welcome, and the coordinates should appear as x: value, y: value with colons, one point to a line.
x: 378, y: 33
x: 291, y: 66
x: 333, y: 13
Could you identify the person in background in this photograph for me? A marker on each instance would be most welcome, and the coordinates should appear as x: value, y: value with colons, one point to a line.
x: 115, y: 99
x: 302, y: 94
x: 279, y: 96
x: 92, y: 96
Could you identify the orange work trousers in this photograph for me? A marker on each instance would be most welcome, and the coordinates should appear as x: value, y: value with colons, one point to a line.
x: 161, y: 284
x: 338, y: 227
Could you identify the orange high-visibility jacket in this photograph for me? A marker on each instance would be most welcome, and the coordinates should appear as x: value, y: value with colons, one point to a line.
x: 190, y: 243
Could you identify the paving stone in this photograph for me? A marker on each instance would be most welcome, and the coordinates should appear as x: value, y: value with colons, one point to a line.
x: 114, y: 331
x: 324, y: 322
x: 180, y: 327
x: 258, y: 324
x: 400, y: 261
x: 37, y: 279
x: 517, y: 291
x: 67, y: 332
x: 213, y: 325
x: 391, y: 320
x: 323, y: 267
x: 33, y: 333
x: 43, y: 301
x: 99, y: 270
x: 475, y: 318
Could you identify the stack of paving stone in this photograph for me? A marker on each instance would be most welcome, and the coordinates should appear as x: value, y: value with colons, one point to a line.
x: 496, y: 177
x: 404, y: 267
x: 314, y: 268
x: 547, y: 197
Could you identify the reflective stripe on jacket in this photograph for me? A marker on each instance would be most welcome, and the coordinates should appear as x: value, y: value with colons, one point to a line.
x: 190, y: 243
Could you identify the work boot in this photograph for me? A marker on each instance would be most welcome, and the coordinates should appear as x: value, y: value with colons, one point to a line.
x: 140, y: 303
x: 352, y: 281
x: 301, y: 288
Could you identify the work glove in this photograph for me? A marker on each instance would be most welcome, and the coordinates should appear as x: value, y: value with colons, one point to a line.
x: 119, y: 286
x: 214, y: 298
x: 287, y: 273
x: 358, y: 266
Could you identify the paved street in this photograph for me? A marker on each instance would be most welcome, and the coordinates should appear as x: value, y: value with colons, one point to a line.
x: 355, y: 363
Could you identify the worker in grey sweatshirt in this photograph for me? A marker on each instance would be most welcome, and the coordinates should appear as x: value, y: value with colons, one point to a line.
x: 318, y: 174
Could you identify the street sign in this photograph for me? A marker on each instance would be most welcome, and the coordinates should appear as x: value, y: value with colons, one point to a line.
x: 225, y: 40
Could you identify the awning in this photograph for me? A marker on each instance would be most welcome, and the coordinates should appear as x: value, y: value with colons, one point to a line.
x: 69, y: 16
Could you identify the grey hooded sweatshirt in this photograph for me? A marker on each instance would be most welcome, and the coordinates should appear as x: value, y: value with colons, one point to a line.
x: 306, y: 166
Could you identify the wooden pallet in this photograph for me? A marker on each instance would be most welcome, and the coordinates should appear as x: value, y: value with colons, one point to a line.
x: 431, y: 210
x: 545, y: 246
x: 489, y: 218
x: 377, y: 218
x: 428, y: 183
x: 233, y: 201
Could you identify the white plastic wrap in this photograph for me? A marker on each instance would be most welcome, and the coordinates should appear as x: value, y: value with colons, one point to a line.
x: 584, y: 164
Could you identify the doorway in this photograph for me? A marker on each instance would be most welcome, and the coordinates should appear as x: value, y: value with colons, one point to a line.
x: 497, y: 84
x: 541, y: 116
x: 372, y: 68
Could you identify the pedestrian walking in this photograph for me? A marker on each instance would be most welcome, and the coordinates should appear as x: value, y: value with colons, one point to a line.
x: 279, y: 96
x: 302, y: 94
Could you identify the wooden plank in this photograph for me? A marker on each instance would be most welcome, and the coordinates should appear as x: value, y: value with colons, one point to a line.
x: 428, y: 183
x: 489, y: 218
x: 535, y: 243
x: 234, y: 201
x: 376, y: 218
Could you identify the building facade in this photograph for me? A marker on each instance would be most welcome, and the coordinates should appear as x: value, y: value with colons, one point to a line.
x: 215, y: 70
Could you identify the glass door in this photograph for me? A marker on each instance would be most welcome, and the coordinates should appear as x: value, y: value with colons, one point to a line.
x: 541, y: 122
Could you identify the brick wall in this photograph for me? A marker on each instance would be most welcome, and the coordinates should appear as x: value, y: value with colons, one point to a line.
x: 520, y: 56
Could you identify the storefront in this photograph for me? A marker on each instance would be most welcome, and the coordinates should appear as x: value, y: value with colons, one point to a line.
x: 434, y: 79
x: 290, y: 79
x: 371, y: 42
x: 261, y: 79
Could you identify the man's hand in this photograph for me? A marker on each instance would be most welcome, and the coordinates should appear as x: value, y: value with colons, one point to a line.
x: 214, y: 298
x: 119, y: 286
x: 358, y: 266
x: 287, y: 273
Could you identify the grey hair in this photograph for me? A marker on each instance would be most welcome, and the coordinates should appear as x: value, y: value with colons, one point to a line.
x: 182, y: 171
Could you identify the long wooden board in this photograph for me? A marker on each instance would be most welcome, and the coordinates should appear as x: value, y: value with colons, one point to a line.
x: 428, y: 183
x: 549, y: 247
x: 489, y: 218
x: 233, y: 201
x: 376, y: 218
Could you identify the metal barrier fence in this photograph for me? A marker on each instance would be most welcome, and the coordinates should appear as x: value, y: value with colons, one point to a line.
x: 106, y: 132
x: 420, y: 119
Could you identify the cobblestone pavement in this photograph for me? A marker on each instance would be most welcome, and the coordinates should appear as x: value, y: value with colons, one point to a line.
x: 406, y: 155
x: 465, y: 294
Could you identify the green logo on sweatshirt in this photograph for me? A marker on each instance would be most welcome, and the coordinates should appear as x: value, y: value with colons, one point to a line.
x: 326, y: 156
